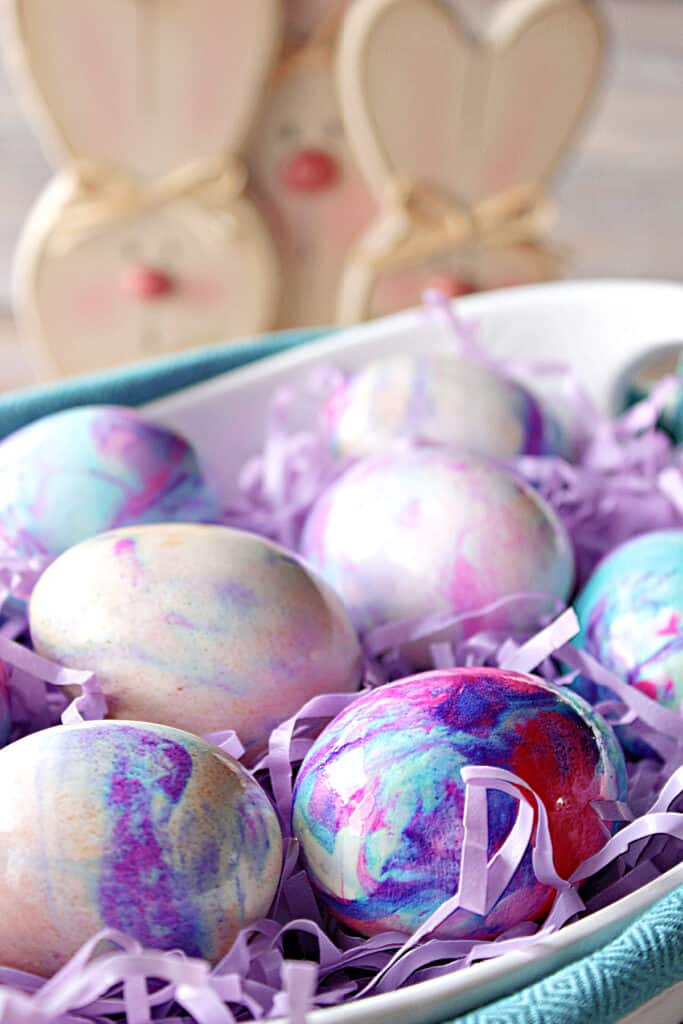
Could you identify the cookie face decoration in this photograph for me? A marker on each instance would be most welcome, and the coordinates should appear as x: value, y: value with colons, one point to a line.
x: 184, y: 273
x: 306, y: 180
x: 447, y: 156
x: 146, y: 243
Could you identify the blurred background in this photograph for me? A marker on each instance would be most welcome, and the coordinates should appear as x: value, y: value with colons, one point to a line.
x: 618, y: 194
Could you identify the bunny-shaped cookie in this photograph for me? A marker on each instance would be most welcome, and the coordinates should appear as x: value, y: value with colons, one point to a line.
x: 146, y: 242
x: 458, y: 137
x: 305, y: 178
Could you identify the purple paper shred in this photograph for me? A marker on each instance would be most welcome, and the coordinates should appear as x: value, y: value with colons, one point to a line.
x: 627, y: 478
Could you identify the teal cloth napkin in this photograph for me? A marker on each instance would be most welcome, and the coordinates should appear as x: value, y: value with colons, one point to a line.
x: 645, y: 960
x: 143, y: 382
x: 642, y: 962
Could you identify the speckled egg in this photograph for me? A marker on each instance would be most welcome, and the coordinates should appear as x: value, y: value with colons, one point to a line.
x: 5, y: 711
x: 137, y: 827
x: 440, y: 398
x: 77, y: 473
x: 379, y: 800
x: 408, y: 533
x: 199, y: 627
x: 631, y: 616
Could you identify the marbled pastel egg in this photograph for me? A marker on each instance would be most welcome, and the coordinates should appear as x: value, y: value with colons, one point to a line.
x: 137, y: 827
x: 77, y: 473
x: 200, y: 627
x: 5, y: 710
x: 408, y: 533
x: 631, y: 615
x: 439, y: 398
x: 379, y: 799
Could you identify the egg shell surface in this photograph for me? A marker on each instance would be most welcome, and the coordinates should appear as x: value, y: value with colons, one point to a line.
x: 438, y: 398
x: 137, y: 827
x: 379, y: 799
x: 80, y: 472
x: 5, y: 708
x: 199, y: 627
x: 631, y: 616
x: 409, y: 533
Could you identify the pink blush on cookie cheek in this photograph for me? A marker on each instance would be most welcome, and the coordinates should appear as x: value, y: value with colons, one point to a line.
x: 351, y: 211
x: 97, y: 299
x: 203, y: 289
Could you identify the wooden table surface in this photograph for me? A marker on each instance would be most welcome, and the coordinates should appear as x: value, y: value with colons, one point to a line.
x: 620, y: 195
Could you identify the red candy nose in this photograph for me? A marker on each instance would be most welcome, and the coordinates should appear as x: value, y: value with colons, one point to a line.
x: 452, y: 285
x: 147, y: 283
x: 309, y: 170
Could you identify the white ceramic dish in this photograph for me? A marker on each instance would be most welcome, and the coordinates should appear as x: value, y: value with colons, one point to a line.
x: 597, y: 327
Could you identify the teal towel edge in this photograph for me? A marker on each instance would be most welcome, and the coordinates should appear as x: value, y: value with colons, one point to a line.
x: 603, y: 987
x: 642, y: 962
x: 144, y: 382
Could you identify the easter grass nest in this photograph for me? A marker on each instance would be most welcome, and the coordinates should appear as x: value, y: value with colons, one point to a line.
x: 626, y: 479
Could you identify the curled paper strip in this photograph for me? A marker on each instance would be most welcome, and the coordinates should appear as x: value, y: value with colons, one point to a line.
x: 35, y: 683
x: 19, y: 575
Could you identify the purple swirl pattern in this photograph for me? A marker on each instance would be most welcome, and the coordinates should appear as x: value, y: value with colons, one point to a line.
x: 77, y: 473
x: 378, y: 803
x: 137, y: 827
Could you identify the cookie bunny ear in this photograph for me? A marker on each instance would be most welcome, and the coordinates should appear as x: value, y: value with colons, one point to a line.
x: 145, y: 85
x: 402, y: 69
x: 425, y: 101
x: 542, y: 61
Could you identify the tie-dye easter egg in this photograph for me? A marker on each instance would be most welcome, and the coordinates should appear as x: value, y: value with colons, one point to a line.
x: 80, y: 472
x: 379, y: 800
x: 437, y: 398
x: 141, y: 828
x: 5, y: 711
x: 199, y: 627
x: 410, y: 533
x: 631, y: 616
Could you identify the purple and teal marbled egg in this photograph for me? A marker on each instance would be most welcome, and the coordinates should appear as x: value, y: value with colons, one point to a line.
x: 631, y: 616
x: 141, y: 828
x: 379, y: 799
x: 437, y: 398
x: 410, y: 533
x: 80, y: 472
x: 195, y: 626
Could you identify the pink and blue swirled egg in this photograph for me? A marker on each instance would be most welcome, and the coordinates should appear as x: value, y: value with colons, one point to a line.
x: 379, y: 800
x: 408, y: 533
x: 437, y: 398
x: 140, y: 828
x: 196, y: 626
x: 80, y: 472
x: 631, y: 616
x: 5, y: 709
